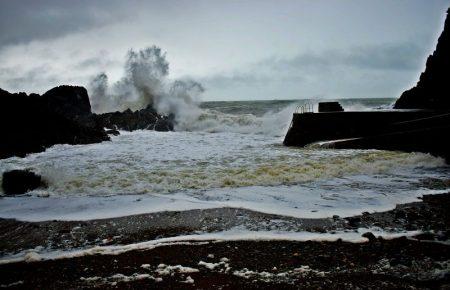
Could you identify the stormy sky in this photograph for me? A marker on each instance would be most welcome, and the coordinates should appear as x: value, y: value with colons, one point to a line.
x: 238, y: 50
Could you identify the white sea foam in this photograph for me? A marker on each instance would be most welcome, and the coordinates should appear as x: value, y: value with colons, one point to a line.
x: 147, y: 162
x: 235, y: 234
x: 148, y: 171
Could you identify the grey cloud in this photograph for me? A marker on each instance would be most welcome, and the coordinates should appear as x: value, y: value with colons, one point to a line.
x: 15, y: 77
x: 388, y: 57
x: 26, y: 20
x: 372, y: 69
x: 398, y: 56
x: 98, y: 62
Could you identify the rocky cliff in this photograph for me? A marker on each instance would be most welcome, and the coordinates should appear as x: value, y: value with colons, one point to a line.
x: 433, y: 89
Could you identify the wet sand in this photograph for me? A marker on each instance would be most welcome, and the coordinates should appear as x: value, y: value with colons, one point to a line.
x: 422, y: 261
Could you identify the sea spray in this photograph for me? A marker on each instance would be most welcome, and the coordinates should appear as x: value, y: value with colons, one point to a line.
x: 145, y: 83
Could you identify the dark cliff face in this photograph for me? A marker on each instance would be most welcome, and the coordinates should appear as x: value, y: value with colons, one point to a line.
x: 32, y: 123
x: 433, y: 89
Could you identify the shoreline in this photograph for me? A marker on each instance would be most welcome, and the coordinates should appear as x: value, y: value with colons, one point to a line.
x: 423, y: 255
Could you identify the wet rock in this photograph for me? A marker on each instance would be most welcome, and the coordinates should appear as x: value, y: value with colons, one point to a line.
x: 113, y: 132
x: 20, y: 181
x: 425, y: 236
x: 353, y: 221
x: 400, y: 214
x: 371, y: 237
x: 443, y: 235
x: 144, y: 119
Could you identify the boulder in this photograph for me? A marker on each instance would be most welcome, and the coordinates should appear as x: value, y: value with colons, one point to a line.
x: 433, y: 89
x: 20, y: 181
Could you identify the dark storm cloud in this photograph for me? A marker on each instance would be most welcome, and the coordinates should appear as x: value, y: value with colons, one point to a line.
x: 24, y: 21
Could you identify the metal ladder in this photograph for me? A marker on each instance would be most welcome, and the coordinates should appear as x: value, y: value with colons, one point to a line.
x: 302, y: 109
x: 305, y: 108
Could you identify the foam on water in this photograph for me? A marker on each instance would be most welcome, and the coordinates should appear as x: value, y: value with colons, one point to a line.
x: 234, y: 234
x: 220, y: 159
x: 160, y: 162
x: 148, y: 171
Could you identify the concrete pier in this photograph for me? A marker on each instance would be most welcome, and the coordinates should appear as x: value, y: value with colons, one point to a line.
x: 308, y: 128
x: 403, y: 130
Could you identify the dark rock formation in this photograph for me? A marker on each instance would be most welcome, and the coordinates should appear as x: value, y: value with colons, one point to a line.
x: 68, y: 101
x: 145, y: 119
x: 32, y: 123
x: 433, y: 89
x: 21, y: 181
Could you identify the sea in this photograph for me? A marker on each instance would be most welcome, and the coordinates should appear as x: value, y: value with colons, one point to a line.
x: 230, y: 154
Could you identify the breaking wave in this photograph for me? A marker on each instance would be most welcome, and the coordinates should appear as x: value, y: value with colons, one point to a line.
x: 155, y: 162
x: 145, y: 83
x: 213, y: 121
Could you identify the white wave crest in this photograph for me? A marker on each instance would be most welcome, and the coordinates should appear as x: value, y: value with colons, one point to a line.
x: 213, y: 121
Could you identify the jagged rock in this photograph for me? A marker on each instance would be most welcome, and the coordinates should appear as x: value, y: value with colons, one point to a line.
x: 20, y: 181
x: 433, y: 89
x: 32, y: 123
x: 144, y: 119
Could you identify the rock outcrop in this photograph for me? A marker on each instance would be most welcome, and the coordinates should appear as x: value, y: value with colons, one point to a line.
x: 69, y: 101
x: 32, y: 123
x: 144, y: 119
x: 20, y: 181
x: 433, y: 89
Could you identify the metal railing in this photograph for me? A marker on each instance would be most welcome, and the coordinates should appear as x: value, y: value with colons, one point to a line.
x: 302, y: 109
x: 305, y: 108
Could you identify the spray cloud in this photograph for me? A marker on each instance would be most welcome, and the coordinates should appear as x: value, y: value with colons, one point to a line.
x: 145, y: 84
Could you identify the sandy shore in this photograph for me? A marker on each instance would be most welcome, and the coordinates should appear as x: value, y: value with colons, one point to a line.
x: 422, y: 261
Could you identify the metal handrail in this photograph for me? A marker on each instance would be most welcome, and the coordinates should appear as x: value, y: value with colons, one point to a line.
x: 305, y: 108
